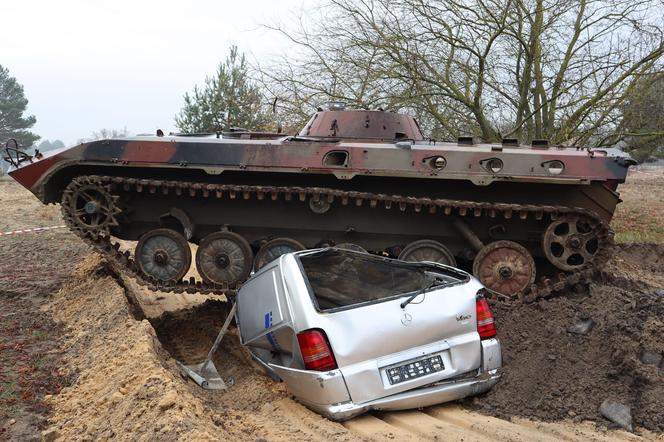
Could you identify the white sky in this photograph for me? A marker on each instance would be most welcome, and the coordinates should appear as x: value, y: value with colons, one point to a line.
x: 92, y: 64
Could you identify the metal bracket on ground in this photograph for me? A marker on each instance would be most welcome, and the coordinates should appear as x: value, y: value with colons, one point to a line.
x: 205, y: 374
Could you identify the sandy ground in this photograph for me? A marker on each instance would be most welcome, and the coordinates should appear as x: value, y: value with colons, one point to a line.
x: 103, y: 363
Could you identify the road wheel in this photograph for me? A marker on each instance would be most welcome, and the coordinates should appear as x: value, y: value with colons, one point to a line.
x: 163, y: 254
x: 428, y: 250
x: 505, y: 267
x: 273, y: 249
x: 224, y: 258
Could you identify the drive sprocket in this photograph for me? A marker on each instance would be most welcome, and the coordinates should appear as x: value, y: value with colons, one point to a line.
x: 89, y: 206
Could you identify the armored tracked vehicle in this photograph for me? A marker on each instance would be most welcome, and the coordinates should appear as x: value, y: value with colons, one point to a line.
x: 526, y: 219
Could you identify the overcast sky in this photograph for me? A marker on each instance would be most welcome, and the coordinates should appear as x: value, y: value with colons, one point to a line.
x: 92, y: 64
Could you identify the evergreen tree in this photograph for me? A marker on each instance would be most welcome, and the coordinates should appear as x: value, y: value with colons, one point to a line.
x: 47, y: 145
x: 229, y: 99
x: 13, y: 124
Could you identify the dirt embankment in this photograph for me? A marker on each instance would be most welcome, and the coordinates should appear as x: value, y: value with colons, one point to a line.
x: 553, y: 373
x: 121, y: 388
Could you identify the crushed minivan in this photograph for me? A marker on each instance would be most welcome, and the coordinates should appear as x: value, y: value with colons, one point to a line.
x: 350, y: 332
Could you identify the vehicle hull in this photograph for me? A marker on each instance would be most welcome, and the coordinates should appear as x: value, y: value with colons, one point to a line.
x: 488, y: 193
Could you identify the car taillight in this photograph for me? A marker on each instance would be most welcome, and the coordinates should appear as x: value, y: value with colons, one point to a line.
x: 316, y: 351
x: 485, y: 323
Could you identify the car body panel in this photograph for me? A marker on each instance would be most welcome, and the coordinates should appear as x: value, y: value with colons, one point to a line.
x: 417, y: 398
x: 268, y: 314
x: 321, y: 388
x: 367, y: 339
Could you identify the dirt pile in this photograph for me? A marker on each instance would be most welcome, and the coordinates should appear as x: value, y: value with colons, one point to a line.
x: 122, y: 388
x: 554, y: 371
x: 128, y: 386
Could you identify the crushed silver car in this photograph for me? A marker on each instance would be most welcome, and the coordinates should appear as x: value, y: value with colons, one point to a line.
x: 350, y: 332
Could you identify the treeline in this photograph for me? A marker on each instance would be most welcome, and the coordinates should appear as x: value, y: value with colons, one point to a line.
x: 575, y: 72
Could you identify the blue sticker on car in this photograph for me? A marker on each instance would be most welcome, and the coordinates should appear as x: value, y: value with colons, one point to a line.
x: 271, y: 338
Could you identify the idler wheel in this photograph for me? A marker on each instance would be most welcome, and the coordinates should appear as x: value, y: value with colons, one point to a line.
x: 505, y: 267
x: 319, y: 206
x: 224, y: 258
x: 163, y: 254
x: 428, y: 250
x: 273, y: 249
x: 570, y: 243
x: 352, y: 247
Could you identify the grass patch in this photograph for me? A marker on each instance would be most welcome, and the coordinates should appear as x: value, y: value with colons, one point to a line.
x: 640, y: 217
x: 640, y: 237
x: 8, y: 391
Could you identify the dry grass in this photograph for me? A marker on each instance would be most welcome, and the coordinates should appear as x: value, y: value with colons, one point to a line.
x: 640, y: 218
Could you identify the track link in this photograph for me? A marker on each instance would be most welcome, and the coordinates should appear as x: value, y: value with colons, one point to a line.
x: 104, y: 244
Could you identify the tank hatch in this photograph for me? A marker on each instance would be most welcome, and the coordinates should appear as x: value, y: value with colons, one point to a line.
x: 362, y: 124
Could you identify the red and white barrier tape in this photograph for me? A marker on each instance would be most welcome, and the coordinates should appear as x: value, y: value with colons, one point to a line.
x: 658, y: 175
x: 35, y: 229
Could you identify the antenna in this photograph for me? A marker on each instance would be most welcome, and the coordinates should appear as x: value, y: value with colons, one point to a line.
x: 274, y: 112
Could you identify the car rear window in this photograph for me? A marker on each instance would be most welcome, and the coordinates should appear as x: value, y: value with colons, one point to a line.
x: 341, y: 278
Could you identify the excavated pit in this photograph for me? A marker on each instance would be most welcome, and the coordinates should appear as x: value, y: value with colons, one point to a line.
x: 551, y: 373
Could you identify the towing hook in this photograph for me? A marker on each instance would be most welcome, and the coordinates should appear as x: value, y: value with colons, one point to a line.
x: 14, y: 155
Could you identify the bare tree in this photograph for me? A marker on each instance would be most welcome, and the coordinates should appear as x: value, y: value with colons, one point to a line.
x: 555, y: 69
x: 641, y: 128
x: 104, y: 134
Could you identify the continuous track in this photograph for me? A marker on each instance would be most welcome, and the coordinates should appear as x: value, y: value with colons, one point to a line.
x: 102, y: 242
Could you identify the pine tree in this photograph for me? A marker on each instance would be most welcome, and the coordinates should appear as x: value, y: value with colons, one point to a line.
x: 229, y: 99
x: 13, y: 124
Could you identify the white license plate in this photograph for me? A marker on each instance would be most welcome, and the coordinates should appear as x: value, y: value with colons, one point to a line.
x: 415, y: 369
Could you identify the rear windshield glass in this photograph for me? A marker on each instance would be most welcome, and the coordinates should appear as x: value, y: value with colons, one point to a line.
x: 341, y: 278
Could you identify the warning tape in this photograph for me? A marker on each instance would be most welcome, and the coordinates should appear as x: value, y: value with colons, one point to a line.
x: 35, y: 229
x: 642, y: 172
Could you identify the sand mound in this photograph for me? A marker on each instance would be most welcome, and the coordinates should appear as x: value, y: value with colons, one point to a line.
x: 553, y: 373
x: 127, y: 385
x: 121, y: 387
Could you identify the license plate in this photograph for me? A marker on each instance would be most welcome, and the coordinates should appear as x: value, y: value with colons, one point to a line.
x: 414, y: 370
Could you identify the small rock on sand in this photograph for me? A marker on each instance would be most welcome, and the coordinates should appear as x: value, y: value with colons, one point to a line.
x: 50, y: 434
x: 582, y: 327
x: 168, y: 400
x: 650, y: 358
x: 617, y: 413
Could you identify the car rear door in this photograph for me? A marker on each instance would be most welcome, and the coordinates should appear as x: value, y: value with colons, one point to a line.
x: 263, y: 316
x: 383, y: 349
